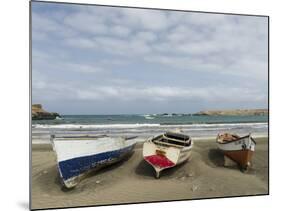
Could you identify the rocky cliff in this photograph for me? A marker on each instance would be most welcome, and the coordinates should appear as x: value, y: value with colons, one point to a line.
x: 38, y: 113
x: 235, y: 112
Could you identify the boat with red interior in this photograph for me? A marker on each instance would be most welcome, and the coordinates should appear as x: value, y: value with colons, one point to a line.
x: 167, y: 150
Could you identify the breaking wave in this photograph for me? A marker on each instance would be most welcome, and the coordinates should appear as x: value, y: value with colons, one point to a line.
x: 128, y: 126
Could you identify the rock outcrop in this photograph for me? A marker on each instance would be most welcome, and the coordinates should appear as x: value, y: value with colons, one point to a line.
x: 236, y: 112
x: 38, y: 113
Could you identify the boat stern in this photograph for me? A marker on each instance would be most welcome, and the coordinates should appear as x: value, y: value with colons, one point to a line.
x: 160, y: 157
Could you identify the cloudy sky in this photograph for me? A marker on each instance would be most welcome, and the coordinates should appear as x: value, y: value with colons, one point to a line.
x: 110, y: 60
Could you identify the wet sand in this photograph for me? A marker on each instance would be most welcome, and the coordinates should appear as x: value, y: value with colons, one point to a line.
x: 132, y: 180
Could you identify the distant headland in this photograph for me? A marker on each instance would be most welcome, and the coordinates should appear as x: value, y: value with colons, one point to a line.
x: 38, y: 113
x: 234, y: 112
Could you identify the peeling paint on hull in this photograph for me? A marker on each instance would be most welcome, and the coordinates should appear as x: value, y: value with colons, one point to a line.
x: 242, y: 157
x: 71, y: 169
x: 76, y: 158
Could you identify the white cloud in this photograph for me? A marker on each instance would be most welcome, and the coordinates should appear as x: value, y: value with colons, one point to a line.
x: 121, y: 31
x: 100, y: 40
x: 85, y: 22
x: 82, y: 68
x: 168, y: 93
x: 79, y: 42
x: 39, y: 22
x: 139, y: 18
x: 146, y: 36
x: 58, y: 63
x: 205, y: 42
x: 127, y: 48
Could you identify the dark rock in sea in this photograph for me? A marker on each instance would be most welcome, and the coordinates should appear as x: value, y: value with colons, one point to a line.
x: 201, y: 113
x: 186, y: 114
x: 38, y: 113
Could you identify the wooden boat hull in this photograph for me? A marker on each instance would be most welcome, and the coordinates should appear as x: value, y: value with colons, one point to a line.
x: 77, y: 157
x: 161, y: 157
x: 241, y: 151
x: 243, y: 157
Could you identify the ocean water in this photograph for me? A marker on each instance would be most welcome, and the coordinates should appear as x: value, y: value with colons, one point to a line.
x: 145, y: 126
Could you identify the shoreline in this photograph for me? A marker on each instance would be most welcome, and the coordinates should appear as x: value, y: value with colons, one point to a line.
x: 144, y: 124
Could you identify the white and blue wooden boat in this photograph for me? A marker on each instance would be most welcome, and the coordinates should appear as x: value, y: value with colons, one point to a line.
x: 78, y: 155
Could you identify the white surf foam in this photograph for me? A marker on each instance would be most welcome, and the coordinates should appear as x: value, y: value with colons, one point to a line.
x: 146, y: 125
x: 73, y: 126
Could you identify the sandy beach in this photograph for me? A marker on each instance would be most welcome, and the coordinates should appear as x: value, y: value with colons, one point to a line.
x: 132, y: 180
